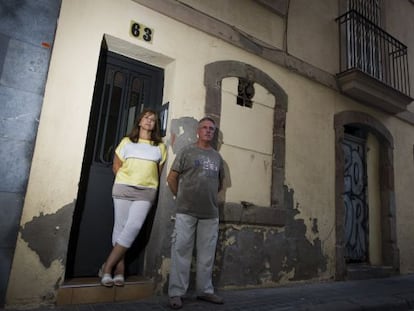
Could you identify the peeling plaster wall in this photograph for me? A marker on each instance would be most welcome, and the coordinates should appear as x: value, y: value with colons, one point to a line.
x: 268, y: 256
x: 43, y: 241
x: 54, y: 228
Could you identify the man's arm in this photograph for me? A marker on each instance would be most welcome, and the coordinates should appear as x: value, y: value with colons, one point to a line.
x: 172, y: 180
x: 221, y: 176
x: 220, y: 184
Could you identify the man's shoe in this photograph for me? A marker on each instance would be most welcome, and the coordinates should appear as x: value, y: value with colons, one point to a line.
x: 213, y: 298
x: 175, y: 302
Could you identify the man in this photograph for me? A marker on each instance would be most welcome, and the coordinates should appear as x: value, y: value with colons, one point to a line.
x: 195, y: 179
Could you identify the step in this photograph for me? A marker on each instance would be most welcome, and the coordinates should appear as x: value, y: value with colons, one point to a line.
x: 364, y: 271
x: 89, y: 290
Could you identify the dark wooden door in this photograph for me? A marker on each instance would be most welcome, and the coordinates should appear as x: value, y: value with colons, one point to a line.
x: 123, y: 88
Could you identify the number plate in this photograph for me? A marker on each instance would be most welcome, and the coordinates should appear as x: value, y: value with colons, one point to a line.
x: 142, y: 32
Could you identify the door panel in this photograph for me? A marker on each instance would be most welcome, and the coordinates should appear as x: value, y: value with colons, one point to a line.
x: 355, y: 204
x: 124, y: 87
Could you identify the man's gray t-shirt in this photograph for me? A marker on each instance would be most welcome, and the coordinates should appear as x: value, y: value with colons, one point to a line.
x: 200, y: 172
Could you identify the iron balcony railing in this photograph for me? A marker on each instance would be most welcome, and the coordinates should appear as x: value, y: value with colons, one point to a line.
x: 366, y: 47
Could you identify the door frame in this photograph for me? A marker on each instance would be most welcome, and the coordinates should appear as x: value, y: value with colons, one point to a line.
x: 108, y: 58
x: 390, y: 252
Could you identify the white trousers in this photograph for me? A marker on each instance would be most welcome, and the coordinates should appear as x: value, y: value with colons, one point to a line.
x: 185, y: 231
x: 129, y: 217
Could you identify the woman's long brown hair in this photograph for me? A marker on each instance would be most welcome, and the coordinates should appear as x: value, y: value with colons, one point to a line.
x: 155, y: 134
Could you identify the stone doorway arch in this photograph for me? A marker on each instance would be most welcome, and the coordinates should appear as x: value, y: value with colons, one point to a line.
x: 390, y: 253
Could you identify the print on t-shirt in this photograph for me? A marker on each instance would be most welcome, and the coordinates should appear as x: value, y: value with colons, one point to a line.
x: 209, y: 167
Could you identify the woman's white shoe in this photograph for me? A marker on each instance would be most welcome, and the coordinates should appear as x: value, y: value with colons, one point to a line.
x: 119, y: 280
x: 106, y: 278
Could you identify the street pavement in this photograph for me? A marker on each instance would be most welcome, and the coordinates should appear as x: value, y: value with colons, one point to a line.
x: 393, y: 293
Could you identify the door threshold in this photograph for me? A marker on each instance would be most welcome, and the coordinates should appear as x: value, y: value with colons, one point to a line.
x: 89, y: 290
x: 362, y: 271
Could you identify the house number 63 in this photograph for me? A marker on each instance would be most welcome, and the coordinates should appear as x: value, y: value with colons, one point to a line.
x: 141, y: 31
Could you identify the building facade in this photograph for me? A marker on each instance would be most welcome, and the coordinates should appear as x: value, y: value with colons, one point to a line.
x: 316, y: 127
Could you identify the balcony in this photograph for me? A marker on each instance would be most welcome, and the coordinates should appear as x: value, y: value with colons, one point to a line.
x: 374, y: 65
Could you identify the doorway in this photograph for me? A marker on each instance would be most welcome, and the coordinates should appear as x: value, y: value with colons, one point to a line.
x: 123, y: 88
x: 379, y: 195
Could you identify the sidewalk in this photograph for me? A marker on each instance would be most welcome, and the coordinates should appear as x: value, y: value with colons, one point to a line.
x: 395, y: 293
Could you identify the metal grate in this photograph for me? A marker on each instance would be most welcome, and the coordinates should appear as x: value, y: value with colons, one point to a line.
x: 366, y: 47
x: 370, y: 9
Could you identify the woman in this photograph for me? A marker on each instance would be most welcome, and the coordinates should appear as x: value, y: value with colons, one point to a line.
x: 138, y: 163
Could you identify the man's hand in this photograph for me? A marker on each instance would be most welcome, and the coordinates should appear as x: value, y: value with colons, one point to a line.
x: 172, y: 181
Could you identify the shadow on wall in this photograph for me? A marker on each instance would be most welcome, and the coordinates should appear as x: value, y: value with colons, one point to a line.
x: 184, y: 132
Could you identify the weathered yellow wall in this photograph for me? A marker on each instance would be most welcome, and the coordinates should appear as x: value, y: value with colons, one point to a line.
x: 183, y: 52
x: 313, y: 33
x: 249, y: 18
x: 64, y: 120
x: 58, y: 155
x: 404, y: 171
x: 400, y: 24
x: 374, y: 202
x: 247, y: 144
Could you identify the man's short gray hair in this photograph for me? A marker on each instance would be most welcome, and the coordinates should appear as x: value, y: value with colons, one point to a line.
x: 207, y: 118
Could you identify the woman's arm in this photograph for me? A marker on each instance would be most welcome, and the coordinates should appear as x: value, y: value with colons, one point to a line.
x: 160, y: 167
x: 117, y: 164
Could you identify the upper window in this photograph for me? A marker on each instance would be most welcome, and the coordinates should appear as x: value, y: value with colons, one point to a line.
x: 363, y: 39
x: 366, y: 47
x: 245, y: 93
